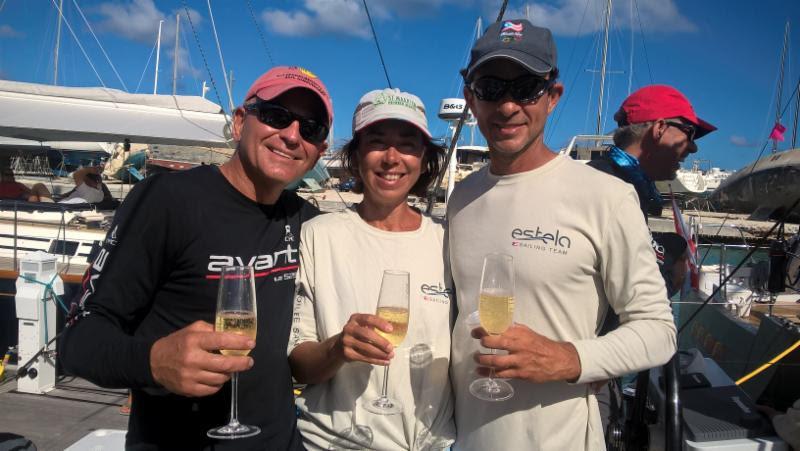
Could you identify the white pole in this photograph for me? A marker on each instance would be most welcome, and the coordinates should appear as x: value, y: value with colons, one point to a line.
x: 630, y: 60
x: 175, y: 57
x: 158, y: 54
x: 603, y: 71
x: 58, y: 42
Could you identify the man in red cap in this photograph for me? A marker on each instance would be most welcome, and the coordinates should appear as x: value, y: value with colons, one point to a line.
x: 144, y: 320
x: 657, y: 131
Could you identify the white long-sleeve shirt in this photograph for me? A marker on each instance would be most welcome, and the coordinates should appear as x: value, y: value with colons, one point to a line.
x: 579, y: 245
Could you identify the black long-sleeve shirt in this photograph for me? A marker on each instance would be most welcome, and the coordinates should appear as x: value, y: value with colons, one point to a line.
x: 158, y: 272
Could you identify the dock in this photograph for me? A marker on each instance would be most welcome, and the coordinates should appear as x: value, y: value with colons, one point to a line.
x: 58, y: 419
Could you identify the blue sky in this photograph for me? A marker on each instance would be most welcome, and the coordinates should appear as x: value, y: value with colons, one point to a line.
x: 724, y: 55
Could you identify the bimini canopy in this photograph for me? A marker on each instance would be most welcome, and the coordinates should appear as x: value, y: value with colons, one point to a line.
x: 55, y: 113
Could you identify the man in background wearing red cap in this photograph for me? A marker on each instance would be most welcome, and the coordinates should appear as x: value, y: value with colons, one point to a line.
x: 657, y: 131
x: 150, y: 296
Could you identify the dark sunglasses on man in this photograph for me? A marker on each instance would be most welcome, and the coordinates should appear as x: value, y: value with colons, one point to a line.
x: 689, y: 130
x: 525, y: 89
x: 279, y: 117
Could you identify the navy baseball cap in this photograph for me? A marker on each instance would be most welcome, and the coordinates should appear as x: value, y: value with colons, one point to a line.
x: 529, y: 46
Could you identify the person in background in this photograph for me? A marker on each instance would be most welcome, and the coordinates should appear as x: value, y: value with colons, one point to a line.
x: 657, y: 130
x: 150, y: 296
x: 786, y: 424
x: 334, y: 340
x: 88, y: 187
x: 579, y: 246
x: 10, y: 189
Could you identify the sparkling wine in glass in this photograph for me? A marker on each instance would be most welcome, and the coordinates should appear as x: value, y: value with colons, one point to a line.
x: 392, y: 307
x: 496, y: 311
x: 236, y: 314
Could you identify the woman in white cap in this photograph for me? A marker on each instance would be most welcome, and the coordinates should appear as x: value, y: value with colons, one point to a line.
x: 334, y: 346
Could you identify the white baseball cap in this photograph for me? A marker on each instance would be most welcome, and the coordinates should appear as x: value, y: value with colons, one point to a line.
x: 383, y: 104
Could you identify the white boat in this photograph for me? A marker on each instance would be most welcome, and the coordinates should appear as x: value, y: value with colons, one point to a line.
x: 45, y: 113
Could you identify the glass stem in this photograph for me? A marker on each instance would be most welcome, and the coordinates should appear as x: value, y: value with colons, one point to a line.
x: 385, y: 380
x: 234, y: 400
x: 491, y: 370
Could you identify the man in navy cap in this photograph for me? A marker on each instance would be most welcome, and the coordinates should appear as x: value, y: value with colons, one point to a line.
x: 578, y: 245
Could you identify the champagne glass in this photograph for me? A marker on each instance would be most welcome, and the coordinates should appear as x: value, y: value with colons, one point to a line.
x: 496, y: 311
x: 393, y: 307
x: 236, y: 313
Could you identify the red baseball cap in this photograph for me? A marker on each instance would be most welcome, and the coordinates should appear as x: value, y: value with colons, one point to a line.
x: 660, y: 102
x: 280, y: 79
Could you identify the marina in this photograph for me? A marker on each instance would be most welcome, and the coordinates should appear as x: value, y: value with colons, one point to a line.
x: 738, y: 328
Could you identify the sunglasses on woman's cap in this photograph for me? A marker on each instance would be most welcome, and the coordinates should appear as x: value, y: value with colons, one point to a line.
x: 279, y: 117
x: 525, y: 89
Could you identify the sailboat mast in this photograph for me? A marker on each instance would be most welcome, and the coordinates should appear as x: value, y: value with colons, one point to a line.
x: 175, y: 56
x: 158, y: 55
x: 603, y: 69
x: 796, y: 115
x: 58, y: 42
x: 780, y: 83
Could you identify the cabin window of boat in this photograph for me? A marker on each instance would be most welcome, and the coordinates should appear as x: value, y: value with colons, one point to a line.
x: 63, y: 247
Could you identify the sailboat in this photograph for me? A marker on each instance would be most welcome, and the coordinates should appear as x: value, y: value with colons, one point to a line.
x: 764, y: 189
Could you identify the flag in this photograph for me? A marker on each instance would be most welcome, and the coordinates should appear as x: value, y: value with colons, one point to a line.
x: 682, y: 230
x: 777, y: 132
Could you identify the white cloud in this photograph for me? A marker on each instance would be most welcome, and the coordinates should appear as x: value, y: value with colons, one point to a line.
x: 741, y: 141
x: 563, y: 17
x: 6, y: 31
x: 344, y: 17
x: 138, y: 21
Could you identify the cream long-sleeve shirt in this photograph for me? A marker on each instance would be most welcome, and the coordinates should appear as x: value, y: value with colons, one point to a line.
x: 579, y: 245
x: 342, y: 259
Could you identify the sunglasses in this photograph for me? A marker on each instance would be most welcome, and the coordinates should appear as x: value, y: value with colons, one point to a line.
x: 525, y: 89
x: 689, y: 130
x: 279, y: 117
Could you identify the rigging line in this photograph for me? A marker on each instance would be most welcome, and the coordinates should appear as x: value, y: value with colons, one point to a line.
x: 146, y: 65
x: 769, y: 363
x: 644, y: 43
x: 766, y: 142
x: 566, y: 70
x: 568, y: 95
x: 454, y: 139
x: 502, y: 11
x: 753, y: 167
x: 221, y: 61
x: 88, y: 60
x: 191, y: 62
x: 591, y: 85
x: 458, y: 79
x: 75, y: 2
x: 205, y: 61
x: 260, y: 34
x: 2, y: 5
x: 618, y: 48
x: 741, y: 263
x: 375, y: 38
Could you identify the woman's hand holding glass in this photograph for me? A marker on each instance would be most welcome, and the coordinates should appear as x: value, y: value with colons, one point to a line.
x: 360, y: 342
